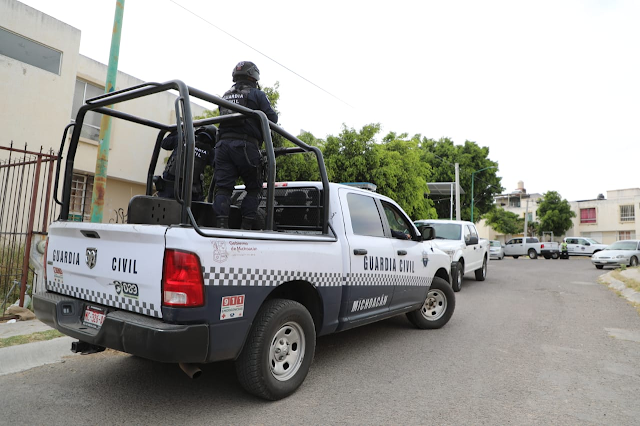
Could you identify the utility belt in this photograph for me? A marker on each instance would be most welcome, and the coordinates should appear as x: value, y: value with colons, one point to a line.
x: 240, y: 136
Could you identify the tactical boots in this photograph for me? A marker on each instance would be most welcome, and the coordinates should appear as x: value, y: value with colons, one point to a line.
x: 222, y: 222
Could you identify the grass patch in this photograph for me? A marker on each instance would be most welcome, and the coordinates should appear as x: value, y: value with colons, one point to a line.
x: 29, y: 338
x: 632, y: 284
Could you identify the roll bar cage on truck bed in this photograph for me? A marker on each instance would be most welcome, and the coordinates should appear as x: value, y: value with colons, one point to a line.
x: 184, y: 209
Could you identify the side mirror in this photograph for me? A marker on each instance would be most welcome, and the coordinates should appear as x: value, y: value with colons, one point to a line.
x: 472, y: 240
x: 428, y: 233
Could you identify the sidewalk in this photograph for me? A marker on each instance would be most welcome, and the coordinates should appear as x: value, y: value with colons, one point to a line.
x: 18, y: 358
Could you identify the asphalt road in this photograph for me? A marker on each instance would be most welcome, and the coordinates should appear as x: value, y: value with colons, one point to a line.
x: 539, y: 342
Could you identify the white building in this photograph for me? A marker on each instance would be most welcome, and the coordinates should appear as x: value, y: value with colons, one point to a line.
x: 604, y: 219
x: 44, y: 81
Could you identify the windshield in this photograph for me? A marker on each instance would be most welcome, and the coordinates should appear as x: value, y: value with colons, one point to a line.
x: 445, y: 231
x: 495, y: 244
x: 592, y: 241
x: 623, y: 245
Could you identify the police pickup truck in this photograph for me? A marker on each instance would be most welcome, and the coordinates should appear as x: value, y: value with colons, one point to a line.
x: 170, y: 287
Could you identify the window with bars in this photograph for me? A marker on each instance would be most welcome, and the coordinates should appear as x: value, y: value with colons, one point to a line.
x: 91, y: 123
x: 588, y: 215
x: 626, y: 235
x: 81, y: 192
x: 514, y: 202
x: 627, y: 213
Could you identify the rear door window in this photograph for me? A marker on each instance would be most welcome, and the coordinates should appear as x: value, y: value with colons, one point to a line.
x: 365, y: 218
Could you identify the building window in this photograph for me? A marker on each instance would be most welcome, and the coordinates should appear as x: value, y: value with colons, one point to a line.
x: 588, y: 215
x: 91, y: 124
x: 626, y: 235
x: 514, y: 202
x: 627, y: 213
x: 28, y: 51
x: 81, y: 192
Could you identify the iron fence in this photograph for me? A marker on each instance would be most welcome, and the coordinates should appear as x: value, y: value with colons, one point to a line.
x: 26, y: 210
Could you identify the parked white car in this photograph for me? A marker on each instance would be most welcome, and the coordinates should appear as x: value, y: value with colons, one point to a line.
x: 625, y: 252
x: 580, y: 246
x: 496, y: 250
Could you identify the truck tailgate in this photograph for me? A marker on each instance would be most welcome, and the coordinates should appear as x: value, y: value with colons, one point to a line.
x: 118, y: 266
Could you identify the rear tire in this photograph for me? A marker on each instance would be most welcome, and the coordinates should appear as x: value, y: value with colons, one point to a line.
x: 532, y: 254
x: 437, y: 308
x: 279, y: 350
x: 555, y: 256
x: 481, y: 274
x: 515, y: 257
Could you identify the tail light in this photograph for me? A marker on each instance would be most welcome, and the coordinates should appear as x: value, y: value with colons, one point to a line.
x: 44, y: 261
x: 182, y: 283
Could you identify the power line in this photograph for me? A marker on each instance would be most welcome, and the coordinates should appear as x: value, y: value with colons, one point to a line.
x: 256, y: 50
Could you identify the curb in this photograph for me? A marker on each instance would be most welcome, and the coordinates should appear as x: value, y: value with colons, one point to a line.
x: 30, y: 355
x: 629, y: 293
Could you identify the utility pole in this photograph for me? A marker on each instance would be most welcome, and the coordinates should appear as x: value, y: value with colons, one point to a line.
x: 102, y: 159
x: 526, y: 218
x: 457, y: 191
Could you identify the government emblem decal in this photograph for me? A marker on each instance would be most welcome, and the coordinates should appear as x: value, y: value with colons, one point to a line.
x: 92, y: 257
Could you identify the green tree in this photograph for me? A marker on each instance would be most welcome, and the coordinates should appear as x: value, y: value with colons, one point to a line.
x: 555, y: 214
x: 442, y: 155
x: 503, y: 221
x: 394, y: 166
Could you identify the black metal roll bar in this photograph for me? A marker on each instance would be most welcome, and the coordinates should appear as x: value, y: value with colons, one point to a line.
x: 185, y: 154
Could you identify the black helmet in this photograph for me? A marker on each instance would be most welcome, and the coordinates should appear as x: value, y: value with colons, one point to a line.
x: 246, y: 70
x: 209, y: 132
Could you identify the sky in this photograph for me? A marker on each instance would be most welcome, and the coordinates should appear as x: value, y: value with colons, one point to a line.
x: 552, y: 87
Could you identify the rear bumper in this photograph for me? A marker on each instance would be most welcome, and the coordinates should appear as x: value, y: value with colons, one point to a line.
x: 128, y: 332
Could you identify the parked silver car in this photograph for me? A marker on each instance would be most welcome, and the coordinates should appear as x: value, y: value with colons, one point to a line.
x: 625, y: 252
x: 496, y: 250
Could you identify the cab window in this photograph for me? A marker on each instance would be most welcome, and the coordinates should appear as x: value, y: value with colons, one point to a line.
x: 400, y: 226
x: 365, y: 219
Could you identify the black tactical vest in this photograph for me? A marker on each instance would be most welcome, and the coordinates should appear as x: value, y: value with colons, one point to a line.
x: 203, y: 150
x: 237, y: 96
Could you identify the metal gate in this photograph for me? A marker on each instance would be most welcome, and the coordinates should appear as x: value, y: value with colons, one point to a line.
x: 26, y: 210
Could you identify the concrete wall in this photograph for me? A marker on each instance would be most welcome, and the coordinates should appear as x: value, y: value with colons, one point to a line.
x: 37, y: 105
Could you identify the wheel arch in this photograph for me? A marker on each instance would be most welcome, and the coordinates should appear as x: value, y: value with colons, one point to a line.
x: 304, y: 293
x: 442, y: 273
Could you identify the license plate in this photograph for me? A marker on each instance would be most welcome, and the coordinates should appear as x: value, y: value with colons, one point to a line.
x: 94, y: 317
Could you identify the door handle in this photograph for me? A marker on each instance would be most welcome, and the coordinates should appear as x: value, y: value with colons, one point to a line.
x: 359, y: 252
x: 402, y: 252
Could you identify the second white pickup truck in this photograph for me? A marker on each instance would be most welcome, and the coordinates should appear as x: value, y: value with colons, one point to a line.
x: 459, y: 239
x: 532, y: 247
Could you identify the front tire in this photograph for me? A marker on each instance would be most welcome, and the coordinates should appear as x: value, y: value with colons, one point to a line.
x: 533, y: 254
x: 515, y: 257
x: 481, y: 274
x: 279, y: 350
x: 437, y: 308
x: 599, y: 266
x: 633, y: 261
x: 458, y: 274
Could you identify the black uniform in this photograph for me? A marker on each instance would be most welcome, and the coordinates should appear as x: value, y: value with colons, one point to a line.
x: 204, y: 156
x: 238, y: 151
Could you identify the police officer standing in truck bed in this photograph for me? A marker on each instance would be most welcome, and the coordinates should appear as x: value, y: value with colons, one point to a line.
x: 238, y: 147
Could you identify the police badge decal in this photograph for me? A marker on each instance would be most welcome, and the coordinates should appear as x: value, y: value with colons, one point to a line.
x: 92, y: 257
x: 425, y: 258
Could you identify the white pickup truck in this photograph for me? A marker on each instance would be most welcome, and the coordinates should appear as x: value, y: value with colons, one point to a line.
x: 170, y: 287
x: 532, y: 247
x: 460, y: 240
x: 582, y: 246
